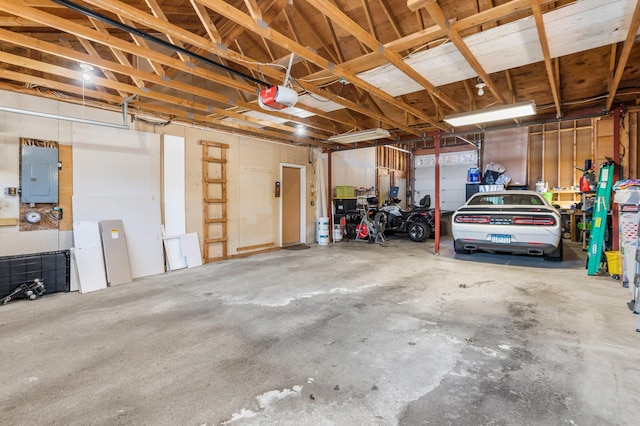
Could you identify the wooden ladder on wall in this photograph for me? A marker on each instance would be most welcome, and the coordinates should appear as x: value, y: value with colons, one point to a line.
x: 214, y: 196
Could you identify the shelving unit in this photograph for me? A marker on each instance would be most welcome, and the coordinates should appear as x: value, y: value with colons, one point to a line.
x: 565, y: 197
x: 586, y: 216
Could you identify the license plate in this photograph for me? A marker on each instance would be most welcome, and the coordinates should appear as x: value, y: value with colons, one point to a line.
x: 500, y: 239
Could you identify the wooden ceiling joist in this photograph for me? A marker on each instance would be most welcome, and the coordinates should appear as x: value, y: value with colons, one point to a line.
x: 206, y: 60
x: 234, y: 14
x: 346, y: 23
x: 544, y: 44
x: 439, y: 17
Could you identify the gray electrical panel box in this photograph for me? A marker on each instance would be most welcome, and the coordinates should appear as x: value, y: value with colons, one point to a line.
x: 39, y: 175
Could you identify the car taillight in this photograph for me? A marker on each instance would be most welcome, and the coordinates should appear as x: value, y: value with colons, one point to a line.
x: 534, y: 220
x: 472, y: 219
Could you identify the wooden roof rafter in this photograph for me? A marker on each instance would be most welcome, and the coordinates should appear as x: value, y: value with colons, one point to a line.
x: 132, y: 13
x: 624, y: 56
x: 337, y: 16
x: 157, y: 68
x: 152, y: 22
x: 544, y: 44
x: 238, y: 16
x: 179, y: 103
x: 158, y: 13
x: 439, y: 17
x: 143, y: 75
x: 118, y: 54
x: 88, y: 47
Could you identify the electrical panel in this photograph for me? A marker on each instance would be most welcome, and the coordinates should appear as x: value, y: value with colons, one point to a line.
x: 39, y: 175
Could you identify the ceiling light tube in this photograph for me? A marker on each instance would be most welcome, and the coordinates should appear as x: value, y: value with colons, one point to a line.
x: 364, y: 135
x: 63, y: 118
x: 497, y: 113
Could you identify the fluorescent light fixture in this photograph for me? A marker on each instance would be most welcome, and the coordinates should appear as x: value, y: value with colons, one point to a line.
x: 361, y: 136
x: 497, y: 113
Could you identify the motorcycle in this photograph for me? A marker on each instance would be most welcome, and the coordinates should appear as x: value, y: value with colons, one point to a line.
x: 418, y: 222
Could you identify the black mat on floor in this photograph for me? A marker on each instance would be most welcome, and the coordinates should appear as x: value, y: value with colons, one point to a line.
x: 296, y: 247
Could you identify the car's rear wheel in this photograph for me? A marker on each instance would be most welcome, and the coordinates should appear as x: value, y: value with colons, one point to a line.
x: 459, y: 249
x: 556, y: 256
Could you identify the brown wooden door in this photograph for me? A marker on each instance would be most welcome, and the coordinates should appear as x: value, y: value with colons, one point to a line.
x: 290, y: 205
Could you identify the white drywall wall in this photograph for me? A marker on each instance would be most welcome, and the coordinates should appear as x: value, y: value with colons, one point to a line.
x: 116, y: 175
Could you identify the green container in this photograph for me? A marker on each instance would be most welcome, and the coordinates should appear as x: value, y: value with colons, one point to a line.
x: 548, y: 196
x: 345, y: 192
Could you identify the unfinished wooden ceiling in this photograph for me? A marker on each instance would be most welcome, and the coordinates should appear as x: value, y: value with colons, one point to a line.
x: 401, y: 65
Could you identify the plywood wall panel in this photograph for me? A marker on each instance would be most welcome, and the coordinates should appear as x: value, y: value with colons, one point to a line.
x: 566, y: 159
x: 603, y: 142
x: 535, y: 159
x: 583, y: 147
x: 551, y: 158
x: 508, y: 147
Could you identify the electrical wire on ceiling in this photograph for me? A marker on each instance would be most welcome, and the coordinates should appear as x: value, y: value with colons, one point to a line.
x: 319, y: 99
x: 134, y: 31
x: 418, y: 49
x: 152, y: 123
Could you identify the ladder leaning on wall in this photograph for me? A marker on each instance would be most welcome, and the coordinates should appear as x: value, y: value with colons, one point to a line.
x: 599, y: 222
x: 214, y: 197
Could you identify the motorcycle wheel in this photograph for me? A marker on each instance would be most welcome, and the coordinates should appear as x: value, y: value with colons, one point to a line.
x: 418, y: 231
x: 380, y: 221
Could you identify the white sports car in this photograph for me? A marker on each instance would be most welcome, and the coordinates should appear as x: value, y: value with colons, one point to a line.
x: 508, y: 221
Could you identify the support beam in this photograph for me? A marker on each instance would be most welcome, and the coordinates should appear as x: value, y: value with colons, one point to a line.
x: 544, y: 44
x: 436, y: 145
x: 617, y: 114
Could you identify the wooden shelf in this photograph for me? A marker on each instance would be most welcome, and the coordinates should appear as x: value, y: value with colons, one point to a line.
x: 8, y: 221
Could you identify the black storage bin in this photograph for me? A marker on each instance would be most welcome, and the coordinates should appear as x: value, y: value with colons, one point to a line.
x: 51, y: 267
x: 345, y: 205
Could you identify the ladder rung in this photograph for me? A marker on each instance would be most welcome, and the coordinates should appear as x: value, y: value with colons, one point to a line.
x: 215, y: 200
x: 215, y: 144
x: 219, y: 220
x: 214, y: 160
x: 215, y: 240
x: 215, y: 180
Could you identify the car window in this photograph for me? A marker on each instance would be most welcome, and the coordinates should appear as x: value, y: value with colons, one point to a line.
x: 507, y: 199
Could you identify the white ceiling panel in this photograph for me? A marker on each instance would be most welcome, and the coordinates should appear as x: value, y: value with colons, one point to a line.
x: 391, y: 80
x: 318, y: 102
x: 587, y: 24
x: 518, y: 41
x: 441, y: 65
x: 580, y: 26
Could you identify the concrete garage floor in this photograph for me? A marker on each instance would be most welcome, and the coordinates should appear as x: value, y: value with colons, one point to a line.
x: 346, y: 334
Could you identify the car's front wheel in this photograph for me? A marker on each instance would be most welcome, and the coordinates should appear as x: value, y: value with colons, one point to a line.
x: 556, y: 256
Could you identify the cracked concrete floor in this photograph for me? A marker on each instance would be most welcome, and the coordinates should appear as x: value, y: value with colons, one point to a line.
x: 345, y: 334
